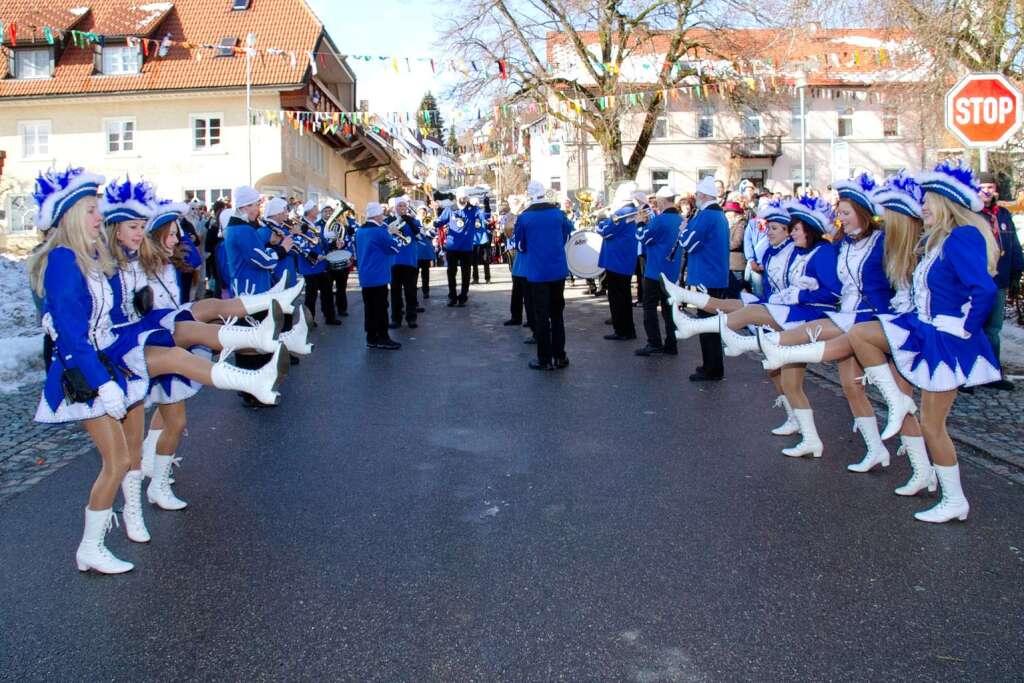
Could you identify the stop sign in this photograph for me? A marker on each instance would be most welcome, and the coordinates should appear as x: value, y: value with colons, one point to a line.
x: 984, y: 110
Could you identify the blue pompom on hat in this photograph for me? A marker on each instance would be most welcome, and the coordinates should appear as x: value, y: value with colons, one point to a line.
x: 127, y: 201
x: 901, y: 194
x: 165, y: 211
x: 814, y: 212
x: 859, y: 190
x: 774, y: 211
x: 954, y: 181
x: 57, y: 191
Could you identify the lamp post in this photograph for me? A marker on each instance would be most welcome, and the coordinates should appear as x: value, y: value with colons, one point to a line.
x: 801, y: 84
x: 250, y: 42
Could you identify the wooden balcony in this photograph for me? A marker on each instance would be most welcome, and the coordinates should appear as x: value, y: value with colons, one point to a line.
x: 763, y: 147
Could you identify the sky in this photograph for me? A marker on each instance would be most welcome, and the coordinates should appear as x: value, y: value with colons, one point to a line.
x: 400, y: 28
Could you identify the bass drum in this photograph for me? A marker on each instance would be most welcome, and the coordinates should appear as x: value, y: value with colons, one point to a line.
x: 582, y: 252
x: 339, y: 259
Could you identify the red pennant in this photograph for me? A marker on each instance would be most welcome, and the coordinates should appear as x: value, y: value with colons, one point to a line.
x: 504, y: 71
x: 433, y: 69
x: 14, y: 33
x: 145, y: 48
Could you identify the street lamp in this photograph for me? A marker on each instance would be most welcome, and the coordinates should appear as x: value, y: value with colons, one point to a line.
x: 801, y: 84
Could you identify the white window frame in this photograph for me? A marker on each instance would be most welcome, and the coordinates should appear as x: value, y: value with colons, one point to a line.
x: 705, y: 112
x: 709, y: 171
x: 23, y: 127
x: 845, y: 113
x: 19, y: 55
x: 206, y: 116
x: 658, y: 184
x: 119, y: 122
x: 663, y: 123
x: 125, y: 67
x: 556, y: 183
x: 20, y: 219
x: 197, y: 193
x: 746, y: 119
x: 891, y: 112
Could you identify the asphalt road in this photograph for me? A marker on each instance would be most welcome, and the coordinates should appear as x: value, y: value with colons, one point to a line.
x: 444, y: 513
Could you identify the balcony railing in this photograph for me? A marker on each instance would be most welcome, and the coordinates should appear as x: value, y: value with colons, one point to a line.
x: 763, y: 147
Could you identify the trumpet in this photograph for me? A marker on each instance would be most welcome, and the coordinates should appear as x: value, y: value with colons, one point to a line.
x: 310, y: 257
x: 634, y: 216
x: 395, y: 228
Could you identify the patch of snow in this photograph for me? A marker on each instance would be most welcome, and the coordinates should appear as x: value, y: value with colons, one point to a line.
x: 156, y: 6
x: 1011, y: 347
x: 78, y: 11
x: 21, y: 338
x: 866, y: 41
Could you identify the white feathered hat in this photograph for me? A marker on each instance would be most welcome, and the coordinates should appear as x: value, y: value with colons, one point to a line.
x: 57, y: 191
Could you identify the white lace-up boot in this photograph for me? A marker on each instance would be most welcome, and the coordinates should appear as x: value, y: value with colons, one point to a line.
x: 149, y: 451
x: 159, y: 492
x: 296, y: 340
x: 735, y: 344
x: 261, y: 383
x: 262, y: 337
x: 92, y: 551
x: 790, y: 426
x: 134, y: 523
x: 877, y: 453
x: 953, y: 504
x: 687, y: 327
x: 693, y: 296
x: 810, y: 444
x: 776, y: 356
x: 286, y: 298
x: 923, y: 476
x: 900, y: 405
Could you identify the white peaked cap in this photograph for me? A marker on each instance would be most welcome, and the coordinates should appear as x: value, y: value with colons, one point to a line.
x: 535, y: 190
x: 310, y: 206
x: 374, y: 209
x: 244, y: 196
x: 275, y: 206
x: 665, y: 193
x: 707, y: 186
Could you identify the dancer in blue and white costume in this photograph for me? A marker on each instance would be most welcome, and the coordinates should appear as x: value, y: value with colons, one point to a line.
x: 901, y: 200
x: 940, y: 346
x: 70, y: 275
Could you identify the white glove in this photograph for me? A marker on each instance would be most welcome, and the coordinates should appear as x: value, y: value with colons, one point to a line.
x: 951, y: 325
x: 901, y: 302
x: 330, y: 235
x: 790, y: 295
x: 113, y: 399
x: 806, y: 282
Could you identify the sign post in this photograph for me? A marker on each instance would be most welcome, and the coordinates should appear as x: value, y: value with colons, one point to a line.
x: 984, y: 111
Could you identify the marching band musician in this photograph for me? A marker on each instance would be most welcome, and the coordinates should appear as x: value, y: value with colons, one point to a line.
x: 660, y: 237
x: 275, y: 211
x: 618, y: 258
x: 403, y: 268
x: 460, y: 225
x: 313, y: 266
x: 541, y: 233
x: 425, y: 249
x: 250, y: 261
x: 375, y: 248
x: 706, y: 241
x: 335, y: 238
x: 520, y: 290
x: 482, y: 241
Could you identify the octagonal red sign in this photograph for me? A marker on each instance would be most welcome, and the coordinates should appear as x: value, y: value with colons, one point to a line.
x: 984, y: 110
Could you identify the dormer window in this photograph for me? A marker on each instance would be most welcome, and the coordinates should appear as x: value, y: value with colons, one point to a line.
x: 226, y: 47
x: 120, y: 60
x: 240, y: 5
x: 32, y: 64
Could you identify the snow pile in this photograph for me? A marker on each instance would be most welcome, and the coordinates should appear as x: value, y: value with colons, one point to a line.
x: 21, y: 338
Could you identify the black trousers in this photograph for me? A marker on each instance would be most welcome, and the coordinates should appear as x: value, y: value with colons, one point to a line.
x: 641, y: 263
x: 424, y: 267
x: 548, y: 302
x: 403, y: 286
x: 375, y: 313
x: 711, y: 344
x: 620, y: 303
x: 459, y: 260
x: 339, y: 280
x: 320, y: 285
x: 482, y: 254
x: 654, y: 295
x: 521, y: 299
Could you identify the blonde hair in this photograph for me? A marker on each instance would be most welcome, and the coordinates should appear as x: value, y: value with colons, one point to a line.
x: 947, y: 215
x: 149, y: 259
x: 902, y: 235
x: 71, y: 232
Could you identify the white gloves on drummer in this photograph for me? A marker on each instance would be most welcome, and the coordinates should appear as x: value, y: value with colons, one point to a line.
x: 113, y: 399
x: 807, y: 282
x: 951, y: 325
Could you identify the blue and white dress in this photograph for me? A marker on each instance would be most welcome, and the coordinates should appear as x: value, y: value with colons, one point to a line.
x: 811, y: 282
x: 866, y: 291
x: 941, y: 345
x: 775, y: 263
x: 77, y: 314
x: 167, y: 389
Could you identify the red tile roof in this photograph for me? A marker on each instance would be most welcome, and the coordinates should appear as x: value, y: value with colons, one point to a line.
x: 289, y: 25
x: 830, y: 56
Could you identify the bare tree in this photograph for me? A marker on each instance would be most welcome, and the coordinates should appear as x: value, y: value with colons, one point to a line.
x: 596, y: 37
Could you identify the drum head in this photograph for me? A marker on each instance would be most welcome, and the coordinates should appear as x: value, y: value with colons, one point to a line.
x: 339, y: 258
x: 582, y: 252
